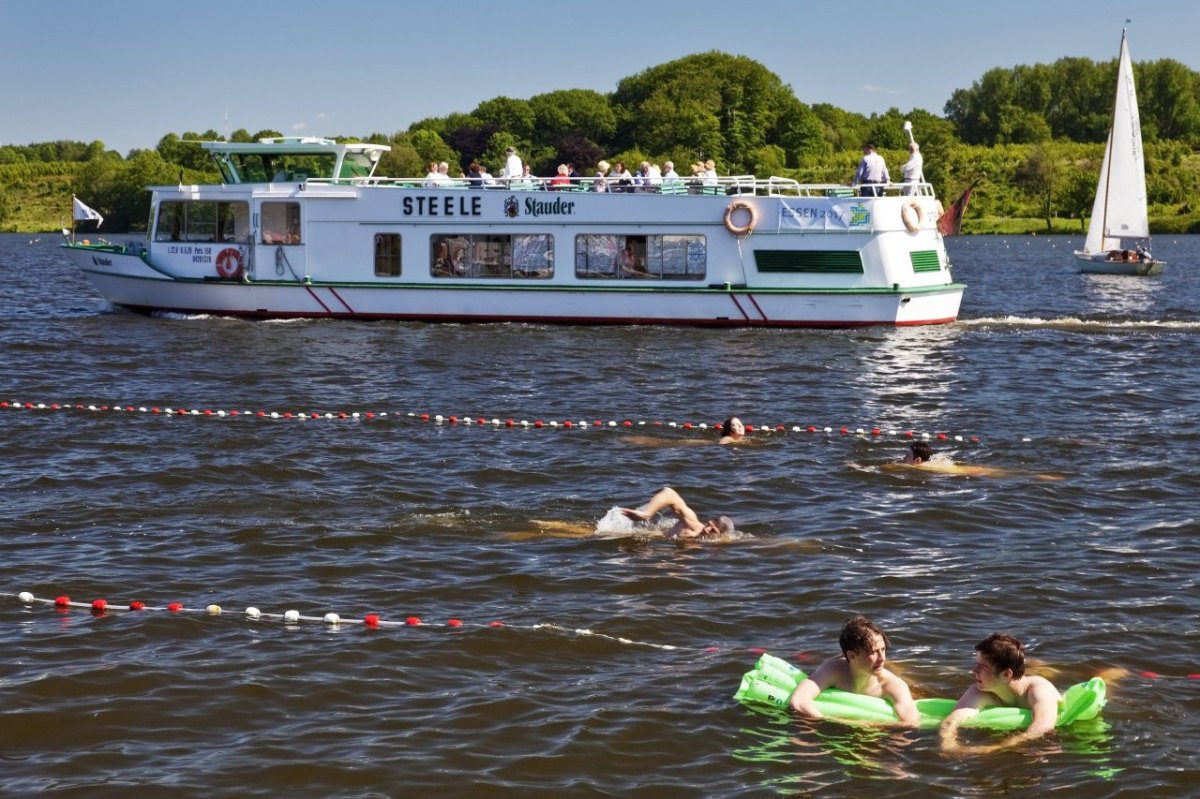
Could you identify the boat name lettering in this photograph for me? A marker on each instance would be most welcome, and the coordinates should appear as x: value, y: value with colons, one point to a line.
x: 420, y: 205
x: 558, y: 206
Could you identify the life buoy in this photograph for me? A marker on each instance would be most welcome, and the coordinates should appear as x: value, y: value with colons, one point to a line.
x: 229, y: 263
x: 741, y: 230
x: 910, y: 214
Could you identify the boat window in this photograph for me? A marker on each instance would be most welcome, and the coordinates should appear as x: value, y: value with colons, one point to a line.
x: 233, y: 222
x: 281, y: 223
x: 613, y: 256
x: 279, y: 167
x: 202, y: 220
x: 387, y: 254
x: 521, y: 255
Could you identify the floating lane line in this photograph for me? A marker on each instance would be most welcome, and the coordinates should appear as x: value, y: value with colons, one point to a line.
x: 291, y: 618
x: 467, y: 420
x: 294, y: 618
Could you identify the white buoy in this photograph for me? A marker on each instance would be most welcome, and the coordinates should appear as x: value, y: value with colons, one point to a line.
x: 253, y: 613
x: 292, y: 617
x: 25, y: 597
x: 333, y: 619
x: 214, y: 610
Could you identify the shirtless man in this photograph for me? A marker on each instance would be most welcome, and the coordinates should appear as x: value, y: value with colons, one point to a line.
x: 859, y: 670
x: 688, y: 524
x: 1000, y: 680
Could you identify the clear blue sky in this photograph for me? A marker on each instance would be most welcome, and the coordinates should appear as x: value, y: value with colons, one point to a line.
x: 127, y: 72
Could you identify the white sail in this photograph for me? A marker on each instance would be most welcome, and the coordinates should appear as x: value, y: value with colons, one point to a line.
x: 1119, y: 212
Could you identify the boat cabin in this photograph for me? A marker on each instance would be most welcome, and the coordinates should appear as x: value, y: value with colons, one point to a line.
x: 293, y: 159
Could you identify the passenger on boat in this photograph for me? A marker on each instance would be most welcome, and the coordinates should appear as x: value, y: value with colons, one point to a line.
x: 859, y: 670
x: 621, y: 181
x: 438, y: 175
x: 641, y: 177
x: 489, y: 182
x: 600, y: 182
x: 708, y: 175
x: 914, y: 168
x: 562, y: 180
x: 513, y: 168
x: 1001, y: 681
x: 732, y: 431
x: 475, y: 175
x: 670, y: 178
x: 688, y: 524
x: 527, y: 178
x: 871, y: 174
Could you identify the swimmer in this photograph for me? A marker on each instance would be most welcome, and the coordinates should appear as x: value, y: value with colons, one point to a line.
x: 732, y: 431
x: 687, y: 524
x: 1000, y: 680
x: 920, y: 455
x: 859, y: 670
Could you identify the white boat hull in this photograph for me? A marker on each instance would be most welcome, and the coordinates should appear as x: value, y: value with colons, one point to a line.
x: 127, y: 282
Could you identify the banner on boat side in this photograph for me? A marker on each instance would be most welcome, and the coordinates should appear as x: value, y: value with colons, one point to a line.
x: 822, y: 215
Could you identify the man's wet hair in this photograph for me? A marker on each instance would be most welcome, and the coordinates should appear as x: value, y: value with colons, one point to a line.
x: 1003, y: 651
x: 857, y: 632
x: 725, y: 525
x: 921, y: 449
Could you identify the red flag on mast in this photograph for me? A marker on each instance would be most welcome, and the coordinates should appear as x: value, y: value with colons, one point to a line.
x: 950, y: 222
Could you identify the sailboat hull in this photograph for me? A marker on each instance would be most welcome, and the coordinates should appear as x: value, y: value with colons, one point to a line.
x: 1100, y: 264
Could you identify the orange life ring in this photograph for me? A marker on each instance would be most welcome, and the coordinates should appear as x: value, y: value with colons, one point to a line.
x: 741, y: 230
x: 910, y: 214
x: 229, y: 263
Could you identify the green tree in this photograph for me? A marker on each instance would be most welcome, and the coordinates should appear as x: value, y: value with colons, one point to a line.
x: 1169, y: 100
x: 514, y: 117
x: 1042, y: 174
x: 713, y: 104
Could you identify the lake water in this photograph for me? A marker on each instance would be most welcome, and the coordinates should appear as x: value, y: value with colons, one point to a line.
x: 613, y: 672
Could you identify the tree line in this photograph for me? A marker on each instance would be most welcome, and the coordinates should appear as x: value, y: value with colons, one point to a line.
x: 1030, y: 137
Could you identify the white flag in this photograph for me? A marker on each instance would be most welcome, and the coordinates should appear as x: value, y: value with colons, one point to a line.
x: 82, y: 212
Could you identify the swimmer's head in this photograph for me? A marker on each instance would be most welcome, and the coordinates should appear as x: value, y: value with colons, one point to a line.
x: 721, y: 525
x: 918, y: 452
x: 733, y: 427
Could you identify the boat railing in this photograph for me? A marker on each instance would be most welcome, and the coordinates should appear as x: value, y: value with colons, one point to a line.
x: 773, y: 186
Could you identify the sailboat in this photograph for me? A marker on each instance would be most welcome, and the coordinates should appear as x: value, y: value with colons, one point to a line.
x: 1118, y: 238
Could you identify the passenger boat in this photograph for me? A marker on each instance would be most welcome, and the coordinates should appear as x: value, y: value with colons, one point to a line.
x: 303, y: 227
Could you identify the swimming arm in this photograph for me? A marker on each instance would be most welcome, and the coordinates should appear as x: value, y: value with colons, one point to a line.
x: 666, y: 498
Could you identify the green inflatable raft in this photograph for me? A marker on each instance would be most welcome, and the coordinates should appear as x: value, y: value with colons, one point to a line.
x: 773, y: 679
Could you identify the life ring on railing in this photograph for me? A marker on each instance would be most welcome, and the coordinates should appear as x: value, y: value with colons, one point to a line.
x: 910, y: 214
x: 741, y: 230
x: 229, y: 263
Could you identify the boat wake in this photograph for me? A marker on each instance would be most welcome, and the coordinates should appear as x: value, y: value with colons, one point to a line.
x: 1078, y: 325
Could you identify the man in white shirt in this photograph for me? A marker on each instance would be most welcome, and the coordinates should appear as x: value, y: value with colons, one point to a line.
x: 872, y: 173
x: 513, y: 169
x: 914, y: 168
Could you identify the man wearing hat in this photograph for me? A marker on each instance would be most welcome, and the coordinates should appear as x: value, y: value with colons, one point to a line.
x: 513, y: 169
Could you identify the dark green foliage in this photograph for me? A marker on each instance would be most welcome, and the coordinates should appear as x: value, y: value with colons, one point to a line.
x: 1029, y: 137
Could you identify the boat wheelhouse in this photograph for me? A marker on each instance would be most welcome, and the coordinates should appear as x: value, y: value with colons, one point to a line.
x: 303, y: 227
